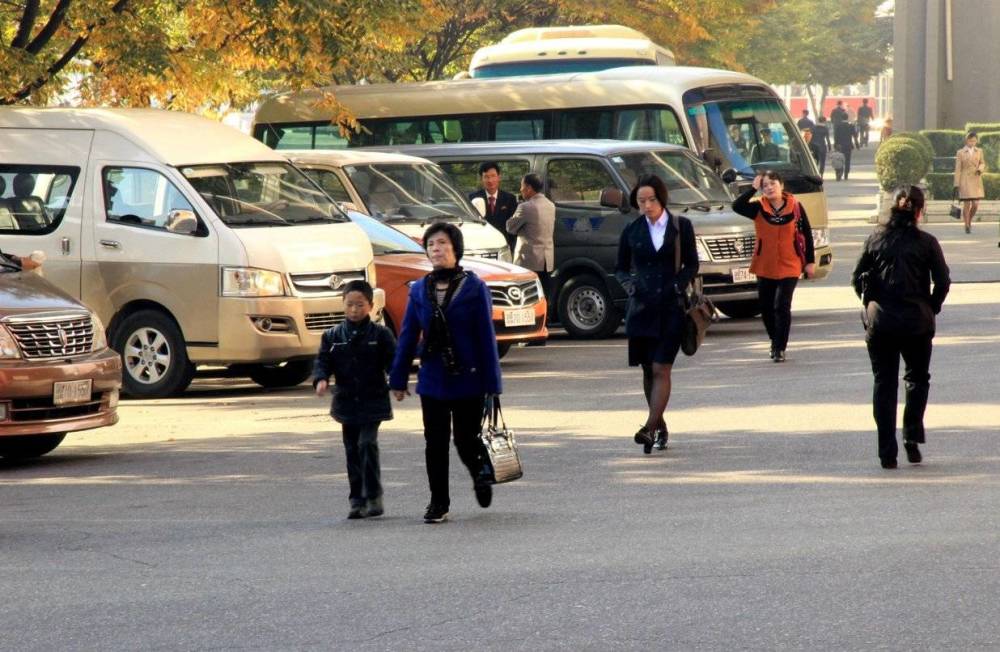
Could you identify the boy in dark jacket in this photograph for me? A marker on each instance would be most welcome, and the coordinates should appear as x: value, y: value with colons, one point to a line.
x: 358, y: 353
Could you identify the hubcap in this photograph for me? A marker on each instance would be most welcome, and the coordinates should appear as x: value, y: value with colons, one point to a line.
x: 587, y: 308
x: 147, y: 356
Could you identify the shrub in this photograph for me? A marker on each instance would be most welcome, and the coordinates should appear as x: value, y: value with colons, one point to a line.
x: 991, y: 185
x: 945, y: 164
x: 990, y: 142
x: 945, y: 141
x: 900, y: 162
x: 980, y: 127
x: 940, y: 185
x: 922, y: 142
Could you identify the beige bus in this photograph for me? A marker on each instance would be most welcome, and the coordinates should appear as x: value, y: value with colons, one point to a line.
x: 734, y: 121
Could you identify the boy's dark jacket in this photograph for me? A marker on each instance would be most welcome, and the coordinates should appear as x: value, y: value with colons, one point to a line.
x: 358, y: 365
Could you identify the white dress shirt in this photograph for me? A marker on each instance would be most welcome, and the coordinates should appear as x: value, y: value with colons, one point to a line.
x: 658, y: 230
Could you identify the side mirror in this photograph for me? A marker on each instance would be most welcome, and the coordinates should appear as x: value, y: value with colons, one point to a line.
x: 183, y: 222
x: 612, y: 197
x: 480, y: 204
x: 730, y: 175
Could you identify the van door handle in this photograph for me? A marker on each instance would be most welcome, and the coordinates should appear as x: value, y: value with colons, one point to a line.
x: 111, y: 244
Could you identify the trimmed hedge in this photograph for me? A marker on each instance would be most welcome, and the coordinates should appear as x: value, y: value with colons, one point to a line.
x: 945, y: 141
x: 900, y: 162
x: 980, y: 127
x: 944, y: 164
x: 922, y: 142
x: 941, y: 185
x: 989, y: 141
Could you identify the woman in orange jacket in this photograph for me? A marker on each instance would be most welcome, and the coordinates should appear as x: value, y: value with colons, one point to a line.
x: 782, y: 253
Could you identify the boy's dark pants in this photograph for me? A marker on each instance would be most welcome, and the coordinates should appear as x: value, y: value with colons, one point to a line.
x: 885, y: 351
x: 361, y: 447
x: 439, y: 416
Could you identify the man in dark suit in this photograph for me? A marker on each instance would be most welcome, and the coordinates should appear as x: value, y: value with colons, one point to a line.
x: 821, y: 138
x: 804, y: 122
x: 843, y: 140
x: 500, y: 205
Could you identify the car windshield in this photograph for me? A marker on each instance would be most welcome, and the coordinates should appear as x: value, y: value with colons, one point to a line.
x: 384, y: 238
x: 751, y: 135
x: 262, y: 194
x: 410, y: 192
x: 689, y: 181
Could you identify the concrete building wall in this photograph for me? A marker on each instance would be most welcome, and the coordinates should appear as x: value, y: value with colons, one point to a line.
x: 925, y: 97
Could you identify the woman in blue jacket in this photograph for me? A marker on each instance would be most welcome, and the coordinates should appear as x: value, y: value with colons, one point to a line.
x: 449, y: 325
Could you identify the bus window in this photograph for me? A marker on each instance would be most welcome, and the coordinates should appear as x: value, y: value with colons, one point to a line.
x: 328, y: 137
x: 454, y: 129
x: 658, y: 124
x: 290, y: 137
x: 519, y: 127
x: 577, y: 181
x: 586, y: 124
x: 465, y: 174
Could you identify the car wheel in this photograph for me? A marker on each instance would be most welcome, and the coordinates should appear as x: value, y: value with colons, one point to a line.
x: 739, y: 309
x: 287, y: 374
x: 585, y: 308
x: 28, y: 446
x: 154, y: 357
x: 503, y: 348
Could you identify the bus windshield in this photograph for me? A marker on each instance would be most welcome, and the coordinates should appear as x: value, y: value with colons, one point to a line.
x: 409, y: 192
x: 751, y: 135
x: 689, y: 181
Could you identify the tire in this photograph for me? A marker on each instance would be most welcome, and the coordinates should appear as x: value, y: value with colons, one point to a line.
x: 29, y: 446
x: 154, y: 357
x: 744, y: 309
x: 287, y: 374
x: 585, y: 308
x: 503, y: 348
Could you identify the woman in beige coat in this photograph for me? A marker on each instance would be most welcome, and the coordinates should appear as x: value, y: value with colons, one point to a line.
x: 969, y: 168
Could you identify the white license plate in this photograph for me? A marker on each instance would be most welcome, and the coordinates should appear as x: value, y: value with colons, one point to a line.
x: 73, y: 391
x: 743, y: 275
x: 523, y: 317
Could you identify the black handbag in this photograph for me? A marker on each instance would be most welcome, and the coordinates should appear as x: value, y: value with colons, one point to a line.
x: 955, y: 211
x: 503, y: 460
x: 699, y: 311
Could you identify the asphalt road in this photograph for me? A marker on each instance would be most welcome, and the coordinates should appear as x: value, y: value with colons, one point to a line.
x: 216, y: 520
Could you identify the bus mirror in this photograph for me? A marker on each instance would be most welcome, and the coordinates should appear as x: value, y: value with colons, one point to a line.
x: 480, y: 205
x: 729, y: 175
x: 612, y: 197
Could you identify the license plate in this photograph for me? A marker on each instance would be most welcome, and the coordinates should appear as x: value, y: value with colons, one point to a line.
x: 743, y: 275
x: 523, y: 317
x: 73, y: 391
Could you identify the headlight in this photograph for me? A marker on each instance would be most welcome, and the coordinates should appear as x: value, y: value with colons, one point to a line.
x: 100, y: 336
x: 541, y: 290
x: 249, y: 282
x: 703, y: 255
x: 821, y: 237
x: 370, y: 274
x: 8, y: 347
x: 504, y: 255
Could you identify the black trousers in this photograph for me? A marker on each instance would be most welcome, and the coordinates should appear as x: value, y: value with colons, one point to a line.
x: 775, y: 296
x: 821, y: 161
x: 846, y: 151
x: 885, y: 351
x: 441, y: 418
x: 363, y: 470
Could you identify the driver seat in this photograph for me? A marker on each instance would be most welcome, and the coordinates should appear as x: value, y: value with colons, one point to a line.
x: 27, y: 209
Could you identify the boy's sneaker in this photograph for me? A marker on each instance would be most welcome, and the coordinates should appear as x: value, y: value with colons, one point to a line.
x: 374, y: 507
x: 435, y: 514
x: 357, y: 511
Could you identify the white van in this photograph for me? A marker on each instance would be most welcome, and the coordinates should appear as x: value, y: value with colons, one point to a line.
x: 193, y: 242
x: 408, y: 192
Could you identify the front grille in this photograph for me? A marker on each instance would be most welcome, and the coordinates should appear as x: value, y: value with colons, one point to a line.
x: 734, y: 248
x: 320, y: 321
x: 319, y: 282
x: 52, y: 337
x: 42, y: 409
x: 519, y: 294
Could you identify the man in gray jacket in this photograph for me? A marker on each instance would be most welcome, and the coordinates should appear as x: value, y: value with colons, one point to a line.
x: 533, y: 223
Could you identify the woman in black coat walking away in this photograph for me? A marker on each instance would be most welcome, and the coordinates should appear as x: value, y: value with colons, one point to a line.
x: 654, y: 323
x: 893, y: 278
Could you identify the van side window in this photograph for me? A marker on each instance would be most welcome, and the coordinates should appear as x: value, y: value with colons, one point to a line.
x: 329, y: 182
x: 577, y: 181
x: 34, y: 198
x: 140, y: 197
x: 465, y: 174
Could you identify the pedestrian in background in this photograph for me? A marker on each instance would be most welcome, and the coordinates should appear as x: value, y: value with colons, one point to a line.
x: 500, y: 204
x: 777, y: 262
x: 893, y: 278
x: 357, y: 354
x: 807, y: 135
x: 969, y: 168
x: 852, y: 119
x: 804, y: 122
x: 843, y: 141
x: 654, y: 322
x: 821, y: 136
x: 449, y: 325
x: 865, y: 116
x: 839, y: 114
x: 533, y: 224
x: 886, y: 132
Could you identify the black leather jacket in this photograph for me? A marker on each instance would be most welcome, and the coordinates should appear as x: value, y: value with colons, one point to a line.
x: 893, y: 277
x: 358, y: 358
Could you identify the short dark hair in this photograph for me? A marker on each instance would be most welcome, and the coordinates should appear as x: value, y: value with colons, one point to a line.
x: 805, y: 110
x: 971, y: 134
x: 533, y: 181
x: 487, y: 166
x: 453, y: 232
x: 654, y: 182
x: 805, y: 129
x: 773, y: 175
x: 821, y: 118
x: 362, y: 286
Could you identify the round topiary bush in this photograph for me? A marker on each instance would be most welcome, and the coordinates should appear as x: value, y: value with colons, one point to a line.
x: 922, y: 142
x: 900, y: 162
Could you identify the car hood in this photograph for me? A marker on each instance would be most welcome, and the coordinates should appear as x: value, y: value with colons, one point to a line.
x: 481, y: 267
x: 24, y: 292
x: 306, y: 248
x: 476, y: 235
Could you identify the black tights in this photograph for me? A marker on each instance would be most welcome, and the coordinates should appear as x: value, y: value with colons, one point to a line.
x: 656, y: 387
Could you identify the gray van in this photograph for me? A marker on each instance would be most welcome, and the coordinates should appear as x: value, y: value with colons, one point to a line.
x: 590, y: 181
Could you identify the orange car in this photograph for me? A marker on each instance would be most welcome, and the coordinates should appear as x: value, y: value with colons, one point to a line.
x: 519, y: 305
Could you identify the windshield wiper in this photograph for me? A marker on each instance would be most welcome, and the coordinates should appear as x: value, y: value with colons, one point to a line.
x: 253, y: 222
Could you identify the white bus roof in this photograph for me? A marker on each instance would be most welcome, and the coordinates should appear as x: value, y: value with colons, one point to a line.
x: 573, y: 31
x: 171, y: 137
x: 613, y: 87
x: 341, y: 157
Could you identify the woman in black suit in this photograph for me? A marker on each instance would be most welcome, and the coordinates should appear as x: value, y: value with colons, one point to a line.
x: 647, y: 270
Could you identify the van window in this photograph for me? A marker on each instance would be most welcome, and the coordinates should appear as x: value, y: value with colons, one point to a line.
x: 577, y: 181
x: 33, y: 198
x: 409, y: 192
x: 465, y: 174
x: 329, y: 182
x: 519, y: 127
x: 141, y: 197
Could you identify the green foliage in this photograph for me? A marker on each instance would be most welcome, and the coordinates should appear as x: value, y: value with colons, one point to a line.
x: 943, y: 164
x: 980, y: 127
x: 920, y: 141
x: 945, y: 141
x: 900, y: 162
x: 940, y: 185
x: 989, y: 141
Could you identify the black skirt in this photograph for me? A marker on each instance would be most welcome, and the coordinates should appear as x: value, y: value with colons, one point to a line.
x: 662, y: 349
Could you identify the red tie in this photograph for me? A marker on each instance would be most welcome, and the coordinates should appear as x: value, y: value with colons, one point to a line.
x: 493, y: 204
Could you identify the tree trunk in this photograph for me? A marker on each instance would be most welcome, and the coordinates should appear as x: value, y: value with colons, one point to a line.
x: 825, y: 90
x: 812, y: 100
